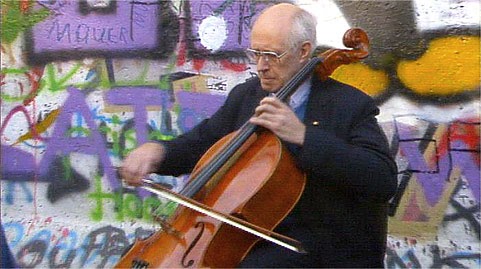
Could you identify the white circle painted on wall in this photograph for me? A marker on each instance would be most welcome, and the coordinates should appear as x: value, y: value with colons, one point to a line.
x: 213, y: 32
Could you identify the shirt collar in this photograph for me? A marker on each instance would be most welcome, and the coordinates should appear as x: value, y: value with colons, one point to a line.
x: 301, y: 94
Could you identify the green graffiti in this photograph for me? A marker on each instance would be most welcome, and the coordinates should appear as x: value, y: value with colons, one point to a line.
x: 17, y: 16
x: 99, y: 196
x: 126, y: 205
x: 49, y: 81
x: 6, y: 71
x: 55, y: 84
x: 164, y: 82
x: 67, y: 166
x: 142, y: 78
x: 129, y: 137
x: 150, y: 205
x: 106, y: 130
x: 159, y: 136
x: 165, y: 210
x: 79, y: 130
x: 130, y: 142
x: 132, y: 206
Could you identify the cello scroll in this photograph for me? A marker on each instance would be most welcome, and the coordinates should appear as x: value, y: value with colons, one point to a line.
x: 355, y: 38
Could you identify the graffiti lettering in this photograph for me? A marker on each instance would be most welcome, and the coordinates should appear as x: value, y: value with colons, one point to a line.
x: 126, y: 204
x: 34, y: 251
x: 101, y: 248
x: 64, y: 145
x: 87, y: 34
x: 67, y: 245
x: 105, y: 243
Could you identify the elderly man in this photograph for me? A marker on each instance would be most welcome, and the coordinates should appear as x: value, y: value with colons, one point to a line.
x: 331, y: 130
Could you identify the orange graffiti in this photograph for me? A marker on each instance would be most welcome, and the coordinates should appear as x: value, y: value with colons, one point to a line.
x: 40, y: 127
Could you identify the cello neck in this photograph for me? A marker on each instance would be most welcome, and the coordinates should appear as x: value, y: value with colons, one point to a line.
x: 244, y: 133
x: 298, y: 79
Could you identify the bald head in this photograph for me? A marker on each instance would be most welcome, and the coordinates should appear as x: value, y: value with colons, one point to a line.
x: 284, y: 33
x: 289, y: 22
x: 281, y: 12
x: 277, y: 21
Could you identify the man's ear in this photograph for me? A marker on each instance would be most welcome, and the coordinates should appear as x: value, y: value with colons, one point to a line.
x: 306, y: 49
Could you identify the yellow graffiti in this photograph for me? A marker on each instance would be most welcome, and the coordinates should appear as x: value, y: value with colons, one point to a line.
x: 40, y: 127
x: 450, y: 65
x: 370, y: 81
x: 425, y: 227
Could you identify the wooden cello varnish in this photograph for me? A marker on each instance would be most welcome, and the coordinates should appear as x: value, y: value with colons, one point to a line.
x: 246, y: 190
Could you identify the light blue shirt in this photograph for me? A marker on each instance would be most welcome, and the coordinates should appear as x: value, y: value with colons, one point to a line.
x: 298, y: 100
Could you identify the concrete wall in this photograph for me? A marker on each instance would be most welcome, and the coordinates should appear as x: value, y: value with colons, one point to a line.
x: 84, y: 82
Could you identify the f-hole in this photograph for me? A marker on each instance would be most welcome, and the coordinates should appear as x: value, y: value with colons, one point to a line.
x: 186, y: 264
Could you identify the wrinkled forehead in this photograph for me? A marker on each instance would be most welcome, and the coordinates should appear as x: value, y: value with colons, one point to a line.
x: 271, y: 32
x: 275, y: 18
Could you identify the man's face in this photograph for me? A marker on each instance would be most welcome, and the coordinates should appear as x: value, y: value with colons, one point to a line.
x: 276, y: 72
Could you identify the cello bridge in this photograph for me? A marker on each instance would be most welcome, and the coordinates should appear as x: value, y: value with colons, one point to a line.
x: 166, y: 227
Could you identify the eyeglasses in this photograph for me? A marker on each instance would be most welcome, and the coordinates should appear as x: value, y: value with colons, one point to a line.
x: 267, y: 56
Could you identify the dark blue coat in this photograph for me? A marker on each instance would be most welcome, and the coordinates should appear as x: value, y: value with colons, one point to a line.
x: 341, y: 218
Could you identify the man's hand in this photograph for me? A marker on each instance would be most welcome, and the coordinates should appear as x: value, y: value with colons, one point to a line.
x: 141, y: 162
x: 280, y: 119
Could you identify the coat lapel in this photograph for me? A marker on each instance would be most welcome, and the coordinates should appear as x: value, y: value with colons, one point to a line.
x: 319, y: 98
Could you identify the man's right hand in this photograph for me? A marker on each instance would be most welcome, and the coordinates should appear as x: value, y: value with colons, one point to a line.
x: 141, y: 162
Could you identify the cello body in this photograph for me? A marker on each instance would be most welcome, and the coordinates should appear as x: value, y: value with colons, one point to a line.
x: 264, y: 169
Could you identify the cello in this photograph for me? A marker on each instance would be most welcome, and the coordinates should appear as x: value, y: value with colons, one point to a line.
x: 236, y: 193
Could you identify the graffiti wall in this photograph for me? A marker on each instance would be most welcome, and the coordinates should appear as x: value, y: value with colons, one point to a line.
x: 83, y: 82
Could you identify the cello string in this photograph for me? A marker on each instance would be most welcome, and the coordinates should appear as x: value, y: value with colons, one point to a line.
x: 206, y: 172
x: 295, y: 82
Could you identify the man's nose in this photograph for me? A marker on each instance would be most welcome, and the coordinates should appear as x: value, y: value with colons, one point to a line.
x: 262, y: 64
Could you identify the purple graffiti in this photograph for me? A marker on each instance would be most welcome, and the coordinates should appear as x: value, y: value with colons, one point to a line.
x: 194, y: 107
x: 17, y: 165
x: 227, y: 21
x: 121, y: 29
x: 54, y: 166
x: 139, y: 98
x: 434, y: 174
x: 61, y: 143
x: 129, y: 27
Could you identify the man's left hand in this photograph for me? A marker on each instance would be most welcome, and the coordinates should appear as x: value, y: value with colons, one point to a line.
x: 279, y: 118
